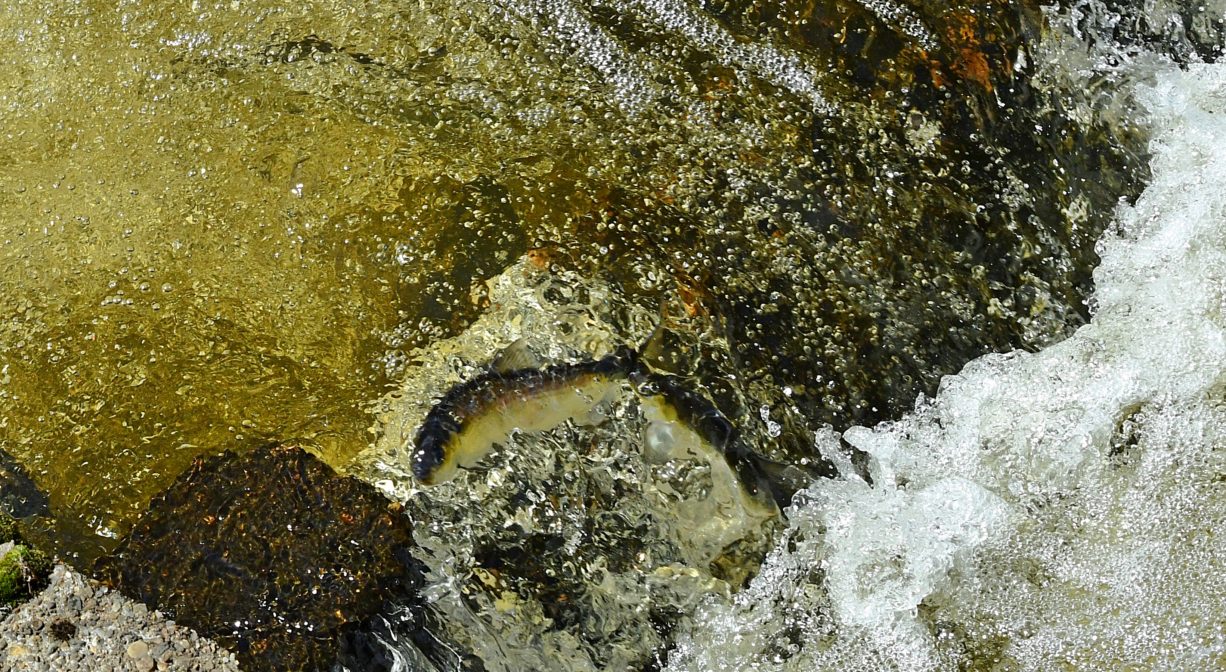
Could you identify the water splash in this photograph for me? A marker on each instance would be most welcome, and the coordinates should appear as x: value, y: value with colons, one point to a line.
x: 568, y: 549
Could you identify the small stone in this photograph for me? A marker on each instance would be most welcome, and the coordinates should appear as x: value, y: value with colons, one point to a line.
x: 138, y: 649
x: 63, y: 629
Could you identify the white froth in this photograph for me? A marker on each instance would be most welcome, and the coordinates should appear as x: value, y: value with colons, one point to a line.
x: 566, y: 23
x: 632, y: 77
x: 878, y: 573
x: 1050, y: 510
x: 774, y: 64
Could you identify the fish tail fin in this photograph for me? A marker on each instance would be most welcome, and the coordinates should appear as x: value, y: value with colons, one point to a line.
x: 651, y: 350
x: 779, y: 480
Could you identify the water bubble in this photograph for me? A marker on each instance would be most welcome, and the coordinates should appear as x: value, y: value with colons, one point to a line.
x: 773, y: 429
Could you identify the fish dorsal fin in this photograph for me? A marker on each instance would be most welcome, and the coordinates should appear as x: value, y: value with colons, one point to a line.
x: 515, y: 357
x: 652, y: 349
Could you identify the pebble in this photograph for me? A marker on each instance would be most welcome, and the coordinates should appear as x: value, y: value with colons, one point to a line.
x: 112, y: 633
x: 138, y: 649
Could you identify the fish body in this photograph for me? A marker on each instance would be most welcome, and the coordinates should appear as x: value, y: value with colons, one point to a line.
x: 673, y: 408
x: 675, y: 401
x: 716, y: 505
x: 667, y: 401
x: 467, y: 422
x: 472, y: 417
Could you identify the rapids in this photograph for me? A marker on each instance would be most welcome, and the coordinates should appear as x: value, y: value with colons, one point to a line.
x: 1048, y: 510
x: 230, y: 222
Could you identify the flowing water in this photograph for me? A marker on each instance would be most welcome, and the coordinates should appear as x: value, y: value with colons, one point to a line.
x: 1050, y: 510
x: 227, y: 223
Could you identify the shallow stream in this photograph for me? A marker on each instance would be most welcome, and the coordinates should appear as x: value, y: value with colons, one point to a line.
x: 229, y: 223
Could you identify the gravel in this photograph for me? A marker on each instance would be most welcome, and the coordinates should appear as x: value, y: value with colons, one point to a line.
x: 77, y: 624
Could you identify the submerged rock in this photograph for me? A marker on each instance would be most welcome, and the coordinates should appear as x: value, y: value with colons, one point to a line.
x: 19, y: 496
x: 274, y: 556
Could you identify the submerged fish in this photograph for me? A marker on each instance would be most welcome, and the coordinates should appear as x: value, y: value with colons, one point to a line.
x: 465, y: 424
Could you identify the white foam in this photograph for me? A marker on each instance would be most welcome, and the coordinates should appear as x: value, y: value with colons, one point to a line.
x: 1048, y: 509
x: 879, y: 572
x: 901, y: 18
x: 632, y: 76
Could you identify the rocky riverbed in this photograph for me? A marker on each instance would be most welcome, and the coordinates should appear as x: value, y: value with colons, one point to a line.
x: 78, y: 624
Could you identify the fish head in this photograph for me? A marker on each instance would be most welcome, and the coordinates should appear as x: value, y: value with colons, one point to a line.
x: 433, y: 461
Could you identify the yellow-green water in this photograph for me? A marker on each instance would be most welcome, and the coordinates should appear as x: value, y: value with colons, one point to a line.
x: 194, y: 254
x: 222, y: 221
x: 226, y: 223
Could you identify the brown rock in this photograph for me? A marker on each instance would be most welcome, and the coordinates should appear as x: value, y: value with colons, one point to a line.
x: 272, y: 554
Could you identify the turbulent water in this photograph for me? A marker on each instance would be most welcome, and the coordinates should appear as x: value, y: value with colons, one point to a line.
x: 1046, y: 510
x: 226, y: 223
x: 1050, y: 510
x: 236, y: 222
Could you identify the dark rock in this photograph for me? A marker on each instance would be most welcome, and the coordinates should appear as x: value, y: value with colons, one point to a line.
x: 19, y: 497
x: 271, y: 554
x: 63, y: 629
